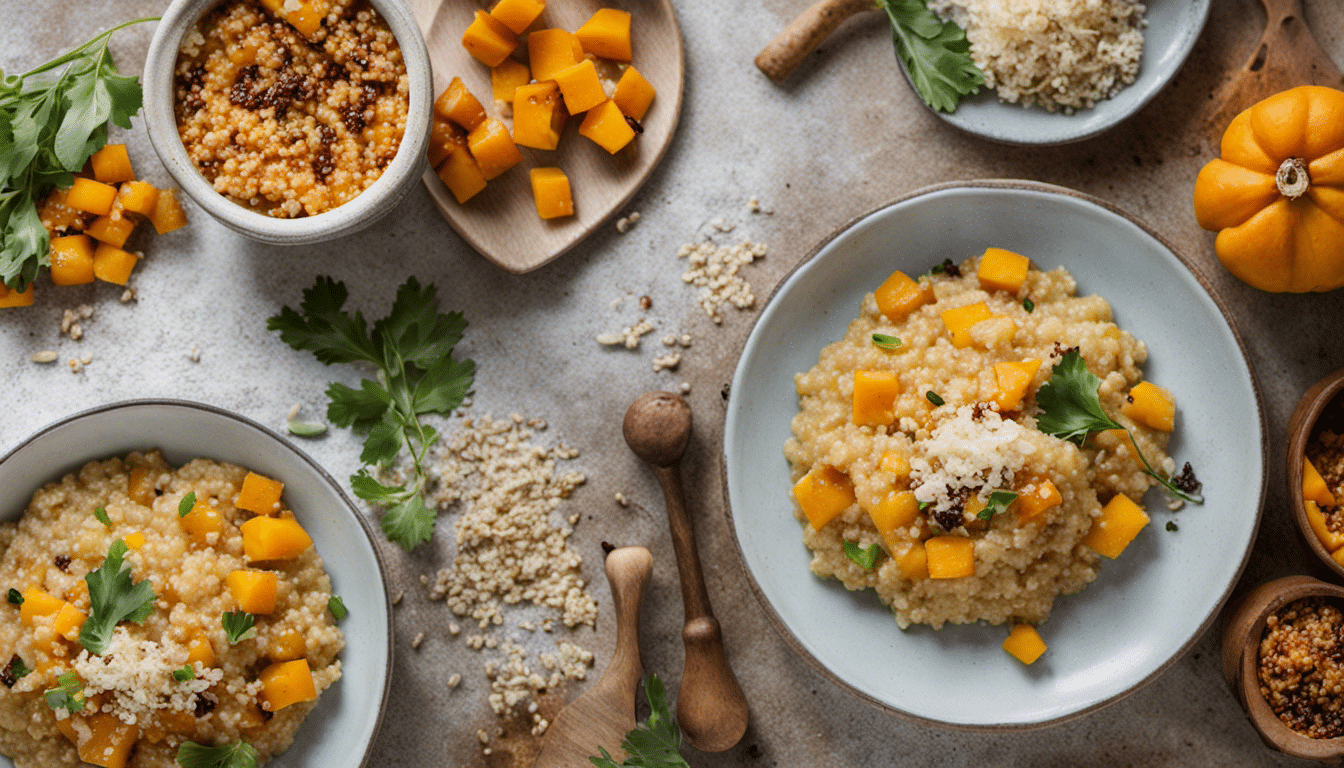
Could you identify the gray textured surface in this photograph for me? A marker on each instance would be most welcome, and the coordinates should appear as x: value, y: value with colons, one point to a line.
x: 842, y: 136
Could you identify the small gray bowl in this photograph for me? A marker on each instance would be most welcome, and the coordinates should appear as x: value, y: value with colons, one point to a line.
x: 371, y: 205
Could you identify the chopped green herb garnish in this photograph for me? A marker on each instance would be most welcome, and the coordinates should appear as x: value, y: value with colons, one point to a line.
x: 68, y: 693
x: 1028, y: 304
x: 18, y: 669
x: 306, y: 428
x: 238, y: 754
x: 184, y: 506
x: 924, y: 504
x: 184, y: 673
x: 997, y: 502
x: 412, y: 348
x: 14, y: 596
x: 1171, y: 525
x: 883, y: 341
x: 101, y: 514
x: 864, y: 558
x: 936, y: 53
x: 934, y: 398
x: 337, y: 607
x: 238, y: 626
x: 1071, y: 410
x: 655, y: 743
x: 113, y: 598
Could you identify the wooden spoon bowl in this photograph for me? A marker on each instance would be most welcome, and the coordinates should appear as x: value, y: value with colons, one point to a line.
x: 501, y: 222
x: 1320, y: 402
x: 1241, y: 650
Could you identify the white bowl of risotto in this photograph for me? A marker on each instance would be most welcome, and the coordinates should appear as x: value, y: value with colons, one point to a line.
x: 290, y: 121
x: 930, y: 646
x: 264, y: 622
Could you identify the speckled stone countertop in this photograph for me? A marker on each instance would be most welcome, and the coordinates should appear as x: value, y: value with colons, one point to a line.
x: 844, y: 135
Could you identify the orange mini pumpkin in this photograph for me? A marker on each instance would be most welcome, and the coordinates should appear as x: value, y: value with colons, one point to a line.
x: 1277, y: 193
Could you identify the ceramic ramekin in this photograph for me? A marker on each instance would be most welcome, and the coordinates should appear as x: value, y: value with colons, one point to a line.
x: 373, y: 203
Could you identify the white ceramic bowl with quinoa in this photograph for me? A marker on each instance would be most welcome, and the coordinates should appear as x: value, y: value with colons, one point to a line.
x: 1144, y: 609
x: 82, y: 459
x: 290, y: 133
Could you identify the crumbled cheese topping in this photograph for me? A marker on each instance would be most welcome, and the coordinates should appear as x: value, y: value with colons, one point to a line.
x: 968, y: 451
x: 137, y: 678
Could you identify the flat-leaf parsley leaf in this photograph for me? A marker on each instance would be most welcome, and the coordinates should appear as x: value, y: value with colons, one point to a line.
x: 101, y: 514
x: 68, y: 693
x: 883, y: 341
x: 113, y: 598
x: 184, y: 506
x: 238, y: 626
x: 237, y: 754
x: 936, y: 53
x: 997, y: 502
x: 655, y: 743
x: 184, y: 673
x: 864, y: 558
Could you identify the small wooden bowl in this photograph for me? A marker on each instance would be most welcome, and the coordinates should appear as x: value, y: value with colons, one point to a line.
x: 1318, y: 402
x: 1241, y: 646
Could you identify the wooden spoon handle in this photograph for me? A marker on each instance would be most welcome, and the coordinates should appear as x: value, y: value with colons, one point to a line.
x: 628, y: 570
x: 694, y: 595
x: 783, y: 54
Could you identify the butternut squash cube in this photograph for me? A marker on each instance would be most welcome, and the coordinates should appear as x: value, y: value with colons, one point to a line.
x: 875, y: 397
x: 305, y: 16
x: 138, y: 197
x: 200, y: 651
x: 899, y: 295
x: 634, y: 93
x: 38, y: 603
x: 286, y: 646
x: 13, y: 298
x: 489, y: 40
x: 1331, y: 540
x: 112, y: 164
x: 134, y: 540
x: 580, y: 86
x: 285, y: 683
x: 493, y: 148
x: 950, y: 557
x: 102, y: 739
x: 1002, y: 270
x: 259, y: 494
x: 140, y: 486
x: 91, y: 196
x: 458, y: 105
x: 274, y: 538
x: 1013, y: 380
x: 538, y: 115
x: 606, y: 34
x: 606, y: 125
x: 550, y: 189
x: 204, y: 523
x: 1120, y: 521
x: 114, y: 232
x: 960, y: 319
x: 896, y: 510
x: 505, y: 78
x: 1035, y: 499
x: 822, y: 494
x: 1151, y: 406
x: 914, y: 564
x: 254, y: 591
x: 551, y: 50
x: 72, y: 260
x: 1024, y: 643
x: 68, y: 621
x: 168, y: 214
x: 442, y: 137
x: 518, y: 15
x: 113, y: 265
x: 1313, y: 485
x: 460, y: 173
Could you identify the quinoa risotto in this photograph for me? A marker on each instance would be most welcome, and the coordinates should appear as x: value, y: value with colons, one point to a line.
x: 929, y: 448
x: 100, y: 670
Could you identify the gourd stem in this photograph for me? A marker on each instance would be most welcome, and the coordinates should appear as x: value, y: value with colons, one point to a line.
x: 1292, y: 178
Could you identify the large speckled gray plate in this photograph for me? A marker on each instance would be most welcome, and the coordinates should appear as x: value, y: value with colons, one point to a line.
x: 339, y: 731
x: 1173, y: 27
x: 1147, y: 607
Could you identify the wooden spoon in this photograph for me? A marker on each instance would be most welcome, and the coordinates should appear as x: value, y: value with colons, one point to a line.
x: 501, y: 221
x: 605, y: 713
x: 1287, y: 56
x: 783, y: 54
x: 711, y: 708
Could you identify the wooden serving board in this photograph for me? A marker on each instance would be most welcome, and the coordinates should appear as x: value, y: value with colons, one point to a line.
x: 501, y: 222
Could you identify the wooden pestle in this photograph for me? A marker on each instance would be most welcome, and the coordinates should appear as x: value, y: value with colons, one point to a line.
x: 784, y: 53
x: 711, y: 707
x: 605, y: 713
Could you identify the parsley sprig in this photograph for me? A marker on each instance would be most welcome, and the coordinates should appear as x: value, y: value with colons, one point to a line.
x: 998, y: 501
x: 237, y: 754
x: 655, y: 743
x: 113, y: 598
x: 49, y: 127
x: 68, y: 694
x: 238, y: 626
x: 936, y: 53
x: 417, y: 374
x: 1071, y: 410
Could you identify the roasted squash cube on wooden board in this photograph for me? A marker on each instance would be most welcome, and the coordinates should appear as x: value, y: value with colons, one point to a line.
x: 460, y: 173
x: 443, y: 136
x: 493, y: 148
x: 505, y: 78
x: 551, y: 50
x: 518, y: 15
x: 538, y: 115
x: 634, y: 93
x: 457, y: 104
x: 606, y: 34
x: 823, y: 494
x: 606, y: 125
x: 1120, y: 521
x: 489, y: 40
x: 580, y: 86
x: 550, y: 189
